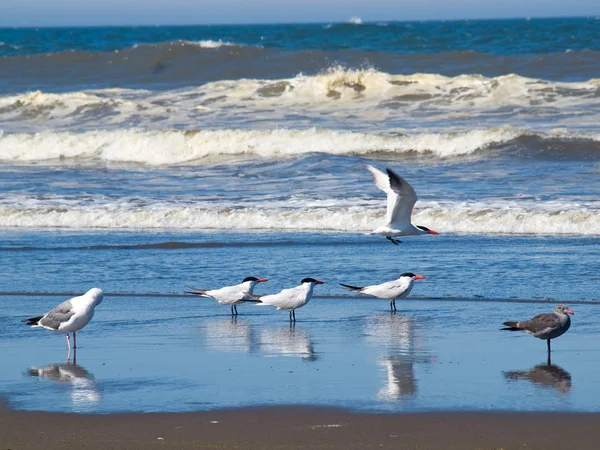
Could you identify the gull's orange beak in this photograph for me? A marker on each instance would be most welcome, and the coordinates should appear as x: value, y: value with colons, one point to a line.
x: 433, y: 232
x: 570, y: 312
x: 262, y: 280
x: 418, y: 277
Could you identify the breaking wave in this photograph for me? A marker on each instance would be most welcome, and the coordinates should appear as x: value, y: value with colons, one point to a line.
x: 174, y: 147
x: 336, y: 98
x: 457, y: 218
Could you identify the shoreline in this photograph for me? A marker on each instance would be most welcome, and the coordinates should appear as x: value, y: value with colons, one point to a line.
x: 299, y: 427
x: 321, y: 297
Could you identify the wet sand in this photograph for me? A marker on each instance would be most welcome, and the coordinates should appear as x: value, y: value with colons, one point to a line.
x: 299, y: 427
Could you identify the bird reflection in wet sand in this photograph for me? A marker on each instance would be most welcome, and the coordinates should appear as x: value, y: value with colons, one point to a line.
x: 231, y: 335
x: 544, y: 375
x: 288, y: 341
x: 397, y: 336
x: 84, y: 389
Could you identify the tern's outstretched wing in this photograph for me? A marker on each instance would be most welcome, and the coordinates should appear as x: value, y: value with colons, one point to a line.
x: 401, y: 197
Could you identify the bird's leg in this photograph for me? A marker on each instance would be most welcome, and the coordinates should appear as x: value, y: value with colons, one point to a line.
x: 232, y: 313
x: 68, y: 348
x: 74, y: 341
x: 393, y: 241
x: 294, y: 315
x: 548, y: 340
x: 392, y: 306
x: 291, y: 316
x: 394, y: 303
x: 235, y: 307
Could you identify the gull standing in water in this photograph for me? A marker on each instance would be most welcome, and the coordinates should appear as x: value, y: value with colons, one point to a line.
x: 70, y: 316
x: 230, y: 295
x: 290, y: 299
x: 401, y: 199
x: 390, y: 290
x: 545, y: 326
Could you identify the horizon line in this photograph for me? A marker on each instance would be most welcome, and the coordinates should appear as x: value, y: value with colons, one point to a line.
x: 326, y: 22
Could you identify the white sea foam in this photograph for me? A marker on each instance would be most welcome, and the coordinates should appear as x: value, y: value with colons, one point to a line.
x: 355, y: 20
x: 174, y: 147
x: 449, y: 218
x: 336, y: 98
x: 208, y: 43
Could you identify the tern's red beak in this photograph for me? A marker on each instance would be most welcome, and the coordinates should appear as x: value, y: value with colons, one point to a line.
x: 262, y: 280
x: 418, y: 277
x: 433, y: 232
x: 319, y: 282
x: 570, y: 312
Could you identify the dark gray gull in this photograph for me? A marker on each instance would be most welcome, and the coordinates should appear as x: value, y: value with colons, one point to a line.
x: 545, y: 326
x: 70, y: 316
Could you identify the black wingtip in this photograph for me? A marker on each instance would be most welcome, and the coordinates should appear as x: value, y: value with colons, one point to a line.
x: 395, y: 179
x: 510, y: 326
x: 352, y: 288
x: 32, y: 320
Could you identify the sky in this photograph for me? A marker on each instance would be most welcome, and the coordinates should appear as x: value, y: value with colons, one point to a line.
x: 18, y: 13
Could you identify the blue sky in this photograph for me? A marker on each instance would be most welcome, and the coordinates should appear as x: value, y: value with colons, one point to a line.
x: 159, y: 12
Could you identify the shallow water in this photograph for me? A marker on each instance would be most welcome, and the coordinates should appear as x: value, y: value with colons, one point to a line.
x: 167, y: 352
x: 180, y: 354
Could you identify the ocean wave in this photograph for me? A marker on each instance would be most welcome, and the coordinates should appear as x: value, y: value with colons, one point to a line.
x: 459, y: 218
x: 338, y: 97
x: 204, y: 43
x: 180, y: 63
x: 173, y: 147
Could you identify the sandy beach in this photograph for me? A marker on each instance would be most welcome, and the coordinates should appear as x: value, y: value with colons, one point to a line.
x: 299, y: 427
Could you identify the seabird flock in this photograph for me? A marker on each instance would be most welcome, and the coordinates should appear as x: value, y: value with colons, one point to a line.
x: 72, y: 315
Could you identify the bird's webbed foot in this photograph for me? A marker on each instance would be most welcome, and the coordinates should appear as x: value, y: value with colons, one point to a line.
x: 393, y: 240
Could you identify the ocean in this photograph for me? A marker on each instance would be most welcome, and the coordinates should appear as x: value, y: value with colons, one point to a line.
x: 144, y: 159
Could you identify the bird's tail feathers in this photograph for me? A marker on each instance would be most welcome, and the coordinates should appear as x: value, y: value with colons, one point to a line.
x: 248, y: 297
x: 32, y: 320
x: 195, y: 291
x: 352, y: 288
x: 511, y: 326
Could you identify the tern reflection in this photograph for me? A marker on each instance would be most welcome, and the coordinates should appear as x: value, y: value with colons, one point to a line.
x: 288, y: 341
x: 402, y: 350
x: 231, y: 335
x: 544, y: 375
x: 84, y: 390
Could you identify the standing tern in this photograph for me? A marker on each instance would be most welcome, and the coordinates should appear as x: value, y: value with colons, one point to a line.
x: 70, y: 316
x: 230, y: 295
x: 290, y: 299
x: 545, y: 326
x: 401, y: 199
x: 390, y: 290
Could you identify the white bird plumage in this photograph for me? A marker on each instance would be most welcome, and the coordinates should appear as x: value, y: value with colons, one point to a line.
x: 290, y: 299
x: 390, y: 290
x: 230, y: 295
x: 401, y: 199
x: 70, y: 316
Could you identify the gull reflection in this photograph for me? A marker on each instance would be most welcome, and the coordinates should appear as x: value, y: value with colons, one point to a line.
x: 288, y: 341
x: 544, y: 375
x: 231, y: 335
x: 84, y: 390
x: 396, y: 335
